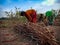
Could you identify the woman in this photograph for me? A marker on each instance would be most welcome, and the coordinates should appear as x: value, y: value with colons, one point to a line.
x: 30, y: 15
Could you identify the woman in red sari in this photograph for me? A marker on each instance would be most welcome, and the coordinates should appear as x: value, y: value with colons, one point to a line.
x: 30, y: 15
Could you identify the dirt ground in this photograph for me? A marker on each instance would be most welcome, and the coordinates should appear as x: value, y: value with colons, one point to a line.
x: 8, y: 35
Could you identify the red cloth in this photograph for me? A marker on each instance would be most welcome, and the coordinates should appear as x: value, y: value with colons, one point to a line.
x: 31, y: 15
x: 34, y: 17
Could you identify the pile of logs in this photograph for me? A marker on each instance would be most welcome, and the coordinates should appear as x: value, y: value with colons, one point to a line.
x: 37, y: 32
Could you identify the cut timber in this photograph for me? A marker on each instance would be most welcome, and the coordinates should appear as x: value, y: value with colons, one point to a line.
x: 43, y: 35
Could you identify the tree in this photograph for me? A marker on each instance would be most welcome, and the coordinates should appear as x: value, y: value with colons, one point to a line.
x: 8, y: 14
x: 17, y: 13
x: 11, y: 14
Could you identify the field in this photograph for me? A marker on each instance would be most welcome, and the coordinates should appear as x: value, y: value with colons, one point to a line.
x: 10, y: 36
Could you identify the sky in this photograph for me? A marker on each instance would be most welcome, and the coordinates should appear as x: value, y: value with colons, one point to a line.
x: 39, y: 5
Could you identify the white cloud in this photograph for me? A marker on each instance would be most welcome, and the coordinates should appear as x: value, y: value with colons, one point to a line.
x: 40, y: 7
x: 2, y: 14
x: 48, y: 2
x: 43, y: 8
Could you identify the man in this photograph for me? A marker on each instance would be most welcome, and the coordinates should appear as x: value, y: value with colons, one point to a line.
x: 30, y: 15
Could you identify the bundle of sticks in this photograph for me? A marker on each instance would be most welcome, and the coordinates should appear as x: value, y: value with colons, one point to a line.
x: 43, y: 35
x: 57, y: 21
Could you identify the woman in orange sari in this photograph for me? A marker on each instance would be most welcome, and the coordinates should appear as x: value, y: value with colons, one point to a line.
x: 30, y: 15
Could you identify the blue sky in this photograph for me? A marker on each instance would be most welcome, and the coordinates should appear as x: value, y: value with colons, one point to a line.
x: 24, y: 4
x: 39, y: 5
